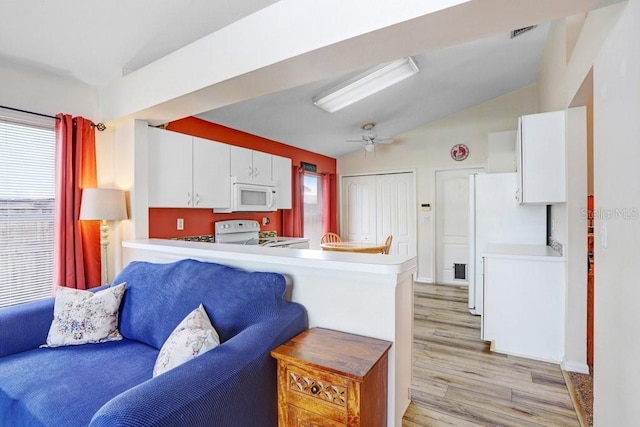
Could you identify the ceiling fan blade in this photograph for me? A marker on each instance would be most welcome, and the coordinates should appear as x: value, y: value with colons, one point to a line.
x: 384, y: 141
x: 359, y: 141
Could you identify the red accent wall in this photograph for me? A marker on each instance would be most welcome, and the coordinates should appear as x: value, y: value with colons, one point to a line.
x: 162, y: 221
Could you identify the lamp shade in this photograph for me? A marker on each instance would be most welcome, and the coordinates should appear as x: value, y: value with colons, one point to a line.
x: 103, y: 204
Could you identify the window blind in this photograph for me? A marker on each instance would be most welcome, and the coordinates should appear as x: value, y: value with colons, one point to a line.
x: 27, y: 198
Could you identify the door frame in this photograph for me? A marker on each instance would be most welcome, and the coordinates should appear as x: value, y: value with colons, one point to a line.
x: 434, y: 222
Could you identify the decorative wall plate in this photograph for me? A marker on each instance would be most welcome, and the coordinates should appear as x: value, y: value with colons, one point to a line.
x: 459, y: 152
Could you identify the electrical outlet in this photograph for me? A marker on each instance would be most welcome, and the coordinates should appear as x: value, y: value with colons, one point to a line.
x: 180, y: 224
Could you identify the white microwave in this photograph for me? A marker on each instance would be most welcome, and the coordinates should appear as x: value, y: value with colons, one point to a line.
x: 251, y: 197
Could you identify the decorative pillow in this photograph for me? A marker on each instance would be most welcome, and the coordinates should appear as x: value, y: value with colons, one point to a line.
x: 194, y: 336
x: 82, y: 317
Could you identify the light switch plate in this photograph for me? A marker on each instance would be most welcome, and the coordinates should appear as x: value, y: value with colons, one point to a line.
x: 180, y: 224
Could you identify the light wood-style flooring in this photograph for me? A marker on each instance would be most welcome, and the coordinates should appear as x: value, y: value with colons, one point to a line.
x: 458, y: 381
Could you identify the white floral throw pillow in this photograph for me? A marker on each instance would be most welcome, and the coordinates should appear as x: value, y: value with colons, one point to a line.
x: 82, y: 317
x: 194, y: 336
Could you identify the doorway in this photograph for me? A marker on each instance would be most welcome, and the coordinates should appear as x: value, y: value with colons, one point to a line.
x: 452, y: 224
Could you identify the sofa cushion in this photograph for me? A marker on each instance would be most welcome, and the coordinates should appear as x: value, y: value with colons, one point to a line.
x: 194, y: 336
x: 81, y: 317
x: 159, y: 296
x: 35, y: 385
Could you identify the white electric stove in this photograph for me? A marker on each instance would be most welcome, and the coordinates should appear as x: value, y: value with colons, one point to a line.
x: 247, y: 232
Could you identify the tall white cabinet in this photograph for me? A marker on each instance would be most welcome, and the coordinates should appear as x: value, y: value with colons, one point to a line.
x: 186, y: 171
x: 540, y: 158
x: 375, y: 206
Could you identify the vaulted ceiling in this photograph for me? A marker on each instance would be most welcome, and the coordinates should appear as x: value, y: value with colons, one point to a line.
x: 465, y: 62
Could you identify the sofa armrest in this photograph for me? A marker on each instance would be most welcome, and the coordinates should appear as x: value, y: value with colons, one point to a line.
x: 231, y: 385
x: 25, y: 326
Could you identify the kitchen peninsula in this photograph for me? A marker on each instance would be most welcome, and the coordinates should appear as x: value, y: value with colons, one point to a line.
x: 364, y: 294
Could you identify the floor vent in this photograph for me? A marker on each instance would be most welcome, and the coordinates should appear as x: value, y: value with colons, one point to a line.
x: 460, y: 271
x: 519, y: 31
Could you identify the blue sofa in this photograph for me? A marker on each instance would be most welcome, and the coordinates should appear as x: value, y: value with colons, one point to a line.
x: 111, y: 384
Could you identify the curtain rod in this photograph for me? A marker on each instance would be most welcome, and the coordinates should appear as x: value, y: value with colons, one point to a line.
x: 99, y: 126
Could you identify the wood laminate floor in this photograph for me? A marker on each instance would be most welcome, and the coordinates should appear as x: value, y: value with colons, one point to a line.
x: 458, y: 381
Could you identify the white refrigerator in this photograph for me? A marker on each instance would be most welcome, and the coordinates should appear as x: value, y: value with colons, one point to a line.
x: 496, y: 217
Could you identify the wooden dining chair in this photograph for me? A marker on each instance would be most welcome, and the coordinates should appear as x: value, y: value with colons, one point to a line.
x: 330, y: 238
x: 387, y: 245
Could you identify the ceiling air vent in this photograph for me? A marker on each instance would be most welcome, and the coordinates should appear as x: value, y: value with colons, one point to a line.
x: 519, y: 31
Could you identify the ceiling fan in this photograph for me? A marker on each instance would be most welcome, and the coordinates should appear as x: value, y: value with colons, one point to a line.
x: 370, y: 138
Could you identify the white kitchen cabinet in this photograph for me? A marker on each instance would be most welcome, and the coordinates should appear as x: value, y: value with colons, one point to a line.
x: 524, y: 301
x: 187, y: 172
x: 211, y: 172
x: 540, y: 158
x: 281, y: 174
x: 250, y: 166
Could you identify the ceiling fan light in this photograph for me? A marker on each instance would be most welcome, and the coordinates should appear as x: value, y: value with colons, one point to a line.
x: 366, y: 84
x: 369, y: 147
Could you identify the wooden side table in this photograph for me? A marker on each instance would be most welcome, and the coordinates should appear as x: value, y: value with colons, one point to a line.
x: 331, y: 378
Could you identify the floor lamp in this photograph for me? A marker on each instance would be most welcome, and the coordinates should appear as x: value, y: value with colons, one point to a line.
x: 104, y: 204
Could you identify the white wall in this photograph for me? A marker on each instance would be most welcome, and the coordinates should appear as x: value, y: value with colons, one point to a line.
x: 616, y: 187
x: 40, y: 92
x: 575, y: 240
x: 428, y: 148
x: 566, y: 64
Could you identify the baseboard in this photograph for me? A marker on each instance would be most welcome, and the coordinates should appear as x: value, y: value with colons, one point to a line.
x: 424, y: 280
x: 581, y: 368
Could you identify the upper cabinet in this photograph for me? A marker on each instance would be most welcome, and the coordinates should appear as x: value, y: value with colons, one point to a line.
x: 185, y: 171
x: 540, y: 158
x: 250, y: 166
x: 211, y: 185
x: 281, y: 173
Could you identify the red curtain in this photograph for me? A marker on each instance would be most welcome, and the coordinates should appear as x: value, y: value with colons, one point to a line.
x: 76, y: 243
x: 329, y: 211
x: 293, y: 219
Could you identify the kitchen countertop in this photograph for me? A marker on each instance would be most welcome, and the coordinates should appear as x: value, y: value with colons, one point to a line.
x: 338, y: 261
x: 530, y: 252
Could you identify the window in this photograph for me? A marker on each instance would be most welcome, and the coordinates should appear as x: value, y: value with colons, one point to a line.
x: 27, y: 191
x: 313, y: 209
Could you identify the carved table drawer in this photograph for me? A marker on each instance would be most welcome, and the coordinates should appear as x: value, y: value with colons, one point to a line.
x: 316, y: 385
x: 332, y: 378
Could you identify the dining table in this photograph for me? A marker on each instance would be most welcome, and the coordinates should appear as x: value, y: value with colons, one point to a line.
x: 360, y: 247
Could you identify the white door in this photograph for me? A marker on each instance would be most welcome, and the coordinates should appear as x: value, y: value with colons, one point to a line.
x: 396, y: 212
x: 359, y: 216
x: 452, y: 223
x: 376, y: 206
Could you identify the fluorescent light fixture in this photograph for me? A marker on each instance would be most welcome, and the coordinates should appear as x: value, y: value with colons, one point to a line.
x: 366, y: 84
